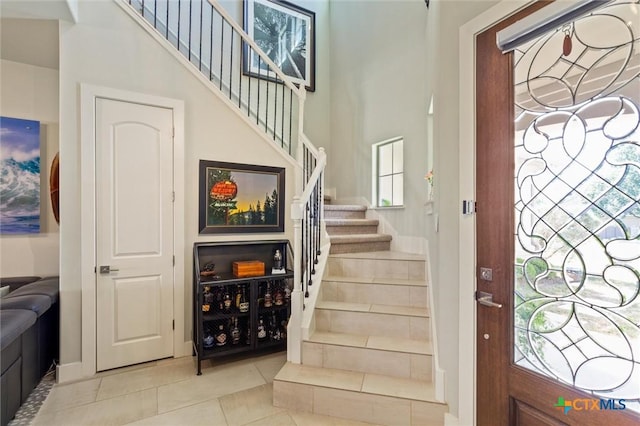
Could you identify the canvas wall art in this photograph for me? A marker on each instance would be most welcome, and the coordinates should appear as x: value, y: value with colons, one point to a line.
x: 240, y: 198
x: 19, y: 176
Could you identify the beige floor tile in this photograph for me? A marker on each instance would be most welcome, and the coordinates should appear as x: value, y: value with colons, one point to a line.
x: 427, y: 414
x: 70, y: 395
x: 342, y: 279
x: 366, y: 408
x: 310, y: 419
x: 250, y: 405
x: 419, y: 296
x: 339, y: 339
x: 400, y: 310
x: 280, y: 419
x: 398, y: 387
x: 391, y: 269
x: 321, y: 376
x: 422, y: 367
x: 400, y: 344
x: 212, y: 384
x: 270, y: 365
x: 370, y: 323
x: 417, y: 270
x: 343, y: 306
x: 205, y: 413
x: 420, y: 328
x: 400, y: 281
x: 367, y: 360
x: 293, y: 396
x: 147, y: 378
x: 115, y: 411
x: 312, y: 354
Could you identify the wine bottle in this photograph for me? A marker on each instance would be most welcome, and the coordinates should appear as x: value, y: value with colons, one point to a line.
x: 244, y: 303
x: 207, y: 339
x: 274, y: 331
x: 207, y: 299
x: 227, y: 300
x: 279, y: 297
x: 219, y: 300
x: 221, y: 336
x: 238, y: 297
x: 235, y: 332
x: 262, y: 330
x: 267, y: 296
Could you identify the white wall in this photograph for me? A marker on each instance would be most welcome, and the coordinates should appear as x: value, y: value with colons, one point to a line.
x: 31, y: 93
x: 107, y: 48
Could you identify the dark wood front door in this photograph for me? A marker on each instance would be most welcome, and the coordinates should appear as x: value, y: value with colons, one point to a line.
x: 556, y: 227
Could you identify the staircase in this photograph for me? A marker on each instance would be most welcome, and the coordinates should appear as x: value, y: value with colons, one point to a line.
x: 370, y: 356
x: 350, y: 231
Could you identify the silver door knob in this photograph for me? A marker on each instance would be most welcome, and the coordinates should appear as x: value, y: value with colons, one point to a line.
x: 105, y: 269
x: 486, y: 299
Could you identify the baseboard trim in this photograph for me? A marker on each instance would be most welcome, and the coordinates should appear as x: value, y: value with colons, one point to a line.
x: 69, y: 372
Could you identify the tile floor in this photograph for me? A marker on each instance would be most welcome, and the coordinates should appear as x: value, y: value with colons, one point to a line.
x: 168, y: 392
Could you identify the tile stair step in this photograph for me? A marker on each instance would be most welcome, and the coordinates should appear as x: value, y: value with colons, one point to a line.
x: 394, y: 292
x: 408, y: 311
x: 375, y: 280
x: 378, y: 264
x: 374, y: 384
x: 390, y: 344
x: 381, y: 320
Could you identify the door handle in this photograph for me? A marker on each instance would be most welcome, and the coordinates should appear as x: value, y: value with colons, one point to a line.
x: 486, y: 299
x: 105, y: 269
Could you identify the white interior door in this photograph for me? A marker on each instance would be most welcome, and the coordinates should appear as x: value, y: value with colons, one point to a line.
x: 134, y: 221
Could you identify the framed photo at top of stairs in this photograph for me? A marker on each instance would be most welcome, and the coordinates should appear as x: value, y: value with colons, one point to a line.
x: 240, y: 198
x: 286, y: 33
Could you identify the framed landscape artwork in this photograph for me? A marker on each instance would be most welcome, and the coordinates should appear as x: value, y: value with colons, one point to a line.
x: 286, y: 33
x: 20, y: 170
x: 240, y: 198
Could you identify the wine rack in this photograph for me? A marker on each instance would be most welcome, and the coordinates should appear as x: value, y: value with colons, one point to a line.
x: 233, y: 315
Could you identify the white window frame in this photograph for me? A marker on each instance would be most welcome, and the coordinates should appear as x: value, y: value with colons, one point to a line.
x: 375, y: 167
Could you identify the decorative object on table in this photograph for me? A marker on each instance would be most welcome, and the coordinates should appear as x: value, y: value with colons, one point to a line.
x: 208, y: 270
x: 20, y: 170
x: 278, y: 267
x: 240, y: 198
x: 248, y: 268
x: 286, y: 33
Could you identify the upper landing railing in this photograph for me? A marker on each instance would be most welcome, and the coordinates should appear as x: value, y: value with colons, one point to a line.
x: 211, y: 41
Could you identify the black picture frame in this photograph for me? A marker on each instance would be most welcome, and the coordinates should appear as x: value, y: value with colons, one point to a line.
x: 240, y: 198
x: 286, y: 33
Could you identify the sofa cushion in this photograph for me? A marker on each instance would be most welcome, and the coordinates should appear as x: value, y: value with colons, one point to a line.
x: 17, y: 282
x: 14, y: 322
x: 47, y: 286
x: 38, y: 303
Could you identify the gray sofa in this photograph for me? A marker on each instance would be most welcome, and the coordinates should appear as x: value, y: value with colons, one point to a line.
x: 29, y: 338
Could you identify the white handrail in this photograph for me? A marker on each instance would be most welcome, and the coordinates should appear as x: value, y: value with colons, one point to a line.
x: 245, y: 37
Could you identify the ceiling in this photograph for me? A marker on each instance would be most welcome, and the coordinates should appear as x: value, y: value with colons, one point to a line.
x: 30, y: 41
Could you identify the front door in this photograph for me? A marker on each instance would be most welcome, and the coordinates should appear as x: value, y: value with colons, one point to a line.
x: 558, y: 224
x: 134, y: 220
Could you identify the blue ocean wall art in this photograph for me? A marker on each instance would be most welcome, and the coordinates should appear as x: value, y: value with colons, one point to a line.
x: 19, y: 176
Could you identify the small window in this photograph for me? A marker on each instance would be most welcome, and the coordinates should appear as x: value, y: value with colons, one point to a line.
x: 388, y: 173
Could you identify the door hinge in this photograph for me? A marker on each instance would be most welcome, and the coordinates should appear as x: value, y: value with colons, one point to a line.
x: 173, y: 324
x: 468, y: 207
x: 173, y: 196
x: 174, y: 260
x: 95, y: 269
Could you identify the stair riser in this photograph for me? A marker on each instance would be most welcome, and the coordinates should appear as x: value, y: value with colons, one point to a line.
x: 337, y: 248
x: 367, y: 360
x: 367, y: 323
x: 344, y: 214
x: 385, y: 410
x: 378, y: 268
x: 351, y: 229
x: 375, y: 294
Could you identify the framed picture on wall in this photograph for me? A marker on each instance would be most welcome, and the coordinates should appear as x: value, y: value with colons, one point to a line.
x: 240, y: 198
x: 286, y: 33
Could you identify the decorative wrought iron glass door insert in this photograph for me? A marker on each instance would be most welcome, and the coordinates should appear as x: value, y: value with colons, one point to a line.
x: 577, y: 204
